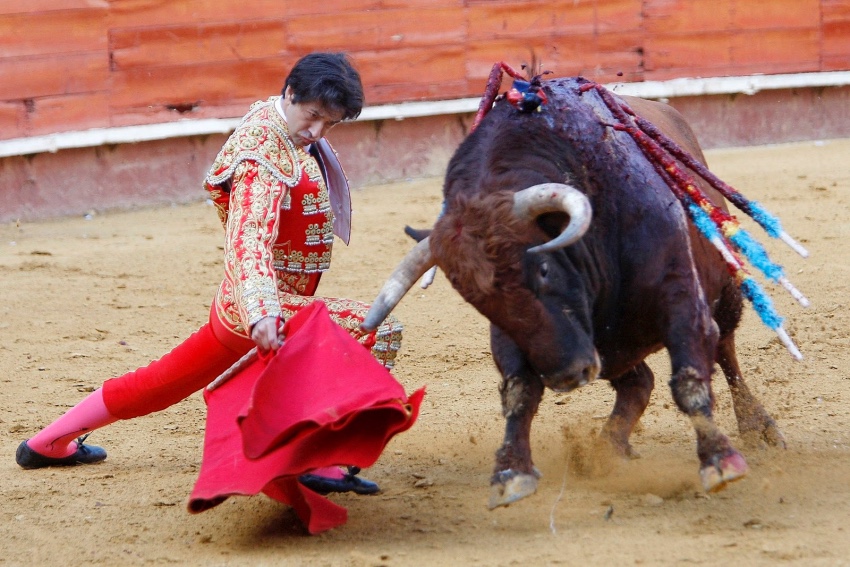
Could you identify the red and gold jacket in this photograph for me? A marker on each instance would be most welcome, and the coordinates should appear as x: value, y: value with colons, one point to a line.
x: 273, y: 200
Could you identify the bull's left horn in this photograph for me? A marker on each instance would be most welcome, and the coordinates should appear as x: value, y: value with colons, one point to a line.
x: 410, y: 269
x: 555, y: 197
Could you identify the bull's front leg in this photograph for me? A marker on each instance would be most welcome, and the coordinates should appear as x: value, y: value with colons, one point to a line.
x: 691, y: 340
x: 514, y: 475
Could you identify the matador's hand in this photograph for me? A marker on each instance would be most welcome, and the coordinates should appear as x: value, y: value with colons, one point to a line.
x: 266, y: 334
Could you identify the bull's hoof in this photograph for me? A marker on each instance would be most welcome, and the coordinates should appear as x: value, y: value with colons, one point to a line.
x: 509, y: 487
x: 770, y: 437
x: 723, y: 470
x: 632, y: 454
x: 765, y: 433
x: 611, y: 445
x: 757, y: 427
x: 773, y: 436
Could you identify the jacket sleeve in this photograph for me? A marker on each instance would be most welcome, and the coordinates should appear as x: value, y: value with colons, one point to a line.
x: 252, y: 224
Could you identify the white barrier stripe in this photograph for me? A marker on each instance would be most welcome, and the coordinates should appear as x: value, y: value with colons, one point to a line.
x: 188, y: 127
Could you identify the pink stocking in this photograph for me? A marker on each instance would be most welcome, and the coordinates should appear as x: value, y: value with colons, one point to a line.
x: 328, y: 472
x: 57, y: 440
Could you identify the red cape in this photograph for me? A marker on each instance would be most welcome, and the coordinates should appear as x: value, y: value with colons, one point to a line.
x: 321, y: 400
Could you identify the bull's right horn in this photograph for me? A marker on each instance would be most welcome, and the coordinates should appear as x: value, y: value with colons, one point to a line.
x: 555, y: 197
x: 411, y: 268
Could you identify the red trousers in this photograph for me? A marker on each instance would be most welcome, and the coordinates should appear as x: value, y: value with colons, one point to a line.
x: 189, y: 367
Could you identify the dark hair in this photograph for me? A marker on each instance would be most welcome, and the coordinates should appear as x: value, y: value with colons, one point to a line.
x: 327, y: 78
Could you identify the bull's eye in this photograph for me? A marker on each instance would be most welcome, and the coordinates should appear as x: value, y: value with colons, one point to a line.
x: 544, y: 269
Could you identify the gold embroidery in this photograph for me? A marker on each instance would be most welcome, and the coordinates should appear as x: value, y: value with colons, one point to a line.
x: 309, y: 204
x: 314, y: 234
x: 328, y: 231
x: 311, y: 167
x: 266, y: 173
x: 261, y: 137
x: 349, y: 314
x: 248, y: 260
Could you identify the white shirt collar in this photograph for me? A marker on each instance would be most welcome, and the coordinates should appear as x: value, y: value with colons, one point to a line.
x: 278, y: 104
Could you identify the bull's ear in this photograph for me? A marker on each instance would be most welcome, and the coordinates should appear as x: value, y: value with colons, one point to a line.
x: 417, y: 234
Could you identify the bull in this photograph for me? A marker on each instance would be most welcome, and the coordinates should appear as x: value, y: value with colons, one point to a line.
x: 559, y: 230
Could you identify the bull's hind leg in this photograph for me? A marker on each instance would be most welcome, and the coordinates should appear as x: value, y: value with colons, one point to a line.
x: 514, y: 475
x: 754, y: 423
x: 633, y: 391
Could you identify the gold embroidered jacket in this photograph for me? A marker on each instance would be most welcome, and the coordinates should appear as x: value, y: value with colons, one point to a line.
x: 273, y: 201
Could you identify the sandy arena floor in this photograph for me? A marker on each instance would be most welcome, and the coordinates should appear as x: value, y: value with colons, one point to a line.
x: 86, y: 299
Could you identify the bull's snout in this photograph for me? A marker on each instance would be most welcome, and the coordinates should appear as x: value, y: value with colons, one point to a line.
x: 581, y: 371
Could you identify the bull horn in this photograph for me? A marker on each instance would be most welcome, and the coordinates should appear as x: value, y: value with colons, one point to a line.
x: 555, y: 197
x: 411, y: 268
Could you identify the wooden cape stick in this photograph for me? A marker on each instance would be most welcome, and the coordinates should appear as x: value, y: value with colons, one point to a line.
x: 237, y: 367
x: 240, y: 364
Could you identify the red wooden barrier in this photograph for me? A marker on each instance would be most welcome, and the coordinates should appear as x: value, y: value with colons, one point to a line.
x: 76, y: 64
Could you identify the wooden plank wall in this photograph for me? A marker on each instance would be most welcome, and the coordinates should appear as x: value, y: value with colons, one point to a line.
x: 77, y: 64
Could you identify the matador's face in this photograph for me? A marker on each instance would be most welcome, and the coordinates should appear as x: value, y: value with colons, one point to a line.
x: 308, y: 121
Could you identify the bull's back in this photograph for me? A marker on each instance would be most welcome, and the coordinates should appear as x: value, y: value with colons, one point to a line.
x: 669, y: 121
x: 650, y: 209
x: 716, y: 281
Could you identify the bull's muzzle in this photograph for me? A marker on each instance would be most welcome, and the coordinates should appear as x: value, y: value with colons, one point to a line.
x: 580, y: 372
